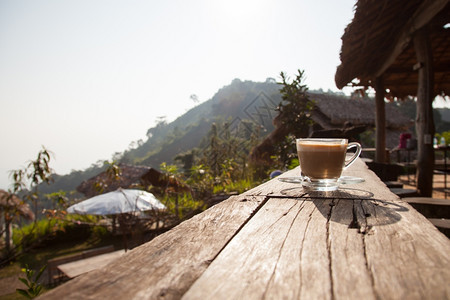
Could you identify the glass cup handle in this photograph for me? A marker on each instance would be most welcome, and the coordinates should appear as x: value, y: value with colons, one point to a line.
x: 355, y: 156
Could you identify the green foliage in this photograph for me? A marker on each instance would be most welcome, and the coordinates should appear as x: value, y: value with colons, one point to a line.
x: 294, y: 116
x: 220, y: 168
x: 293, y: 164
x: 201, y: 181
x: 57, y: 226
x: 170, y: 169
x: 223, y: 161
x: 295, y: 109
x: 368, y: 138
x: 36, y: 172
x: 31, y: 281
x: 187, y: 160
x: 181, y: 205
x: 33, y: 234
x: 446, y: 135
x: 40, y: 168
x: 97, y: 232
x: 58, y: 199
x: 238, y: 186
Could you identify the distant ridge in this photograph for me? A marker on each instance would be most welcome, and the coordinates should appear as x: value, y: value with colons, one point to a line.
x: 238, y: 101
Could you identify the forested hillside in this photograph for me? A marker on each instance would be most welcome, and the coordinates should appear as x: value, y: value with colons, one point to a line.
x: 241, y: 102
x: 237, y: 102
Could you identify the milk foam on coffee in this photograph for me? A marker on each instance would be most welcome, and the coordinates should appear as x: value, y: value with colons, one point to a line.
x: 321, y: 161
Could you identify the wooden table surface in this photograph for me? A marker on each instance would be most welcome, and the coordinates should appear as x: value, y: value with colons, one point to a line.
x: 278, y: 242
x: 76, y: 268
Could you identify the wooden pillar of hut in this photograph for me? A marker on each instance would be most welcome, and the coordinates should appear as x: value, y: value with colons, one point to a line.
x: 424, y: 117
x: 380, y: 121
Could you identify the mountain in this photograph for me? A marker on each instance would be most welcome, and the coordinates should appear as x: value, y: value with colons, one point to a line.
x: 238, y: 104
x: 235, y: 103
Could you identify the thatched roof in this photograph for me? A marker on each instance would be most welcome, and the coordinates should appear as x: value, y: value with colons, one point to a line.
x: 131, y: 177
x: 8, y: 202
x: 338, y: 110
x: 379, y: 41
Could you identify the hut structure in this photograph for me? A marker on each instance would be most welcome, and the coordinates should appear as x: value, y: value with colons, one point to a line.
x: 131, y: 177
x: 400, y: 48
x: 336, y: 116
x: 11, y: 207
x: 351, y: 117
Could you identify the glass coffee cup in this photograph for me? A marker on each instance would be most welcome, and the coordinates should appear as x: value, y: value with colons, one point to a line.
x: 322, y: 161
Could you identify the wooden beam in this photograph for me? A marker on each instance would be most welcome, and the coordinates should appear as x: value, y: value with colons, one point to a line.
x: 421, y: 17
x: 424, y: 116
x: 442, y: 67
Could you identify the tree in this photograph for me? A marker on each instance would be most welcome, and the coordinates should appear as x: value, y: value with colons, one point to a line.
x: 11, y: 208
x: 194, y: 98
x: 37, y: 171
x: 187, y: 159
x: 295, y: 109
x: 213, y: 154
x: 161, y: 123
x: 224, y: 158
x: 294, y: 116
x: 113, y: 174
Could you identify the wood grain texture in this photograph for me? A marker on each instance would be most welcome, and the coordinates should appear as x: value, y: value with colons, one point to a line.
x: 331, y: 246
x: 253, y: 265
x: 279, y: 242
x: 166, y: 266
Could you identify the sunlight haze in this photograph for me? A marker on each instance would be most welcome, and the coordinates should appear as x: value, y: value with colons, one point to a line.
x: 87, y: 78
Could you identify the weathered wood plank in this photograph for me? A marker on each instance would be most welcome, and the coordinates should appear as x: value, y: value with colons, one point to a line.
x: 430, y: 207
x: 288, y: 261
x: 166, y: 266
x: 313, y: 250
x: 271, y: 255
x: 308, y: 250
x: 335, y: 248
x: 76, y: 268
x: 346, y: 246
x: 278, y: 241
x: 315, y: 261
x: 427, y: 200
x: 405, y: 256
x: 315, y: 256
x: 442, y: 223
x: 409, y: 258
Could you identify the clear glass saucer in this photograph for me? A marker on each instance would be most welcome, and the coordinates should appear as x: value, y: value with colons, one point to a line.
x: 341, y: 180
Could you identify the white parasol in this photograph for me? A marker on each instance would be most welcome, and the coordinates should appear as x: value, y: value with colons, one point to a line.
x: 119, y: 201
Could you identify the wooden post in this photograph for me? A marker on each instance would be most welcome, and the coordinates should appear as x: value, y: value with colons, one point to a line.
x: 424, y: 118
x: 380, y: 121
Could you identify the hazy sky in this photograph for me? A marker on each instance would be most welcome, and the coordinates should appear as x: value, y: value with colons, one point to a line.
x: 86, y: 78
